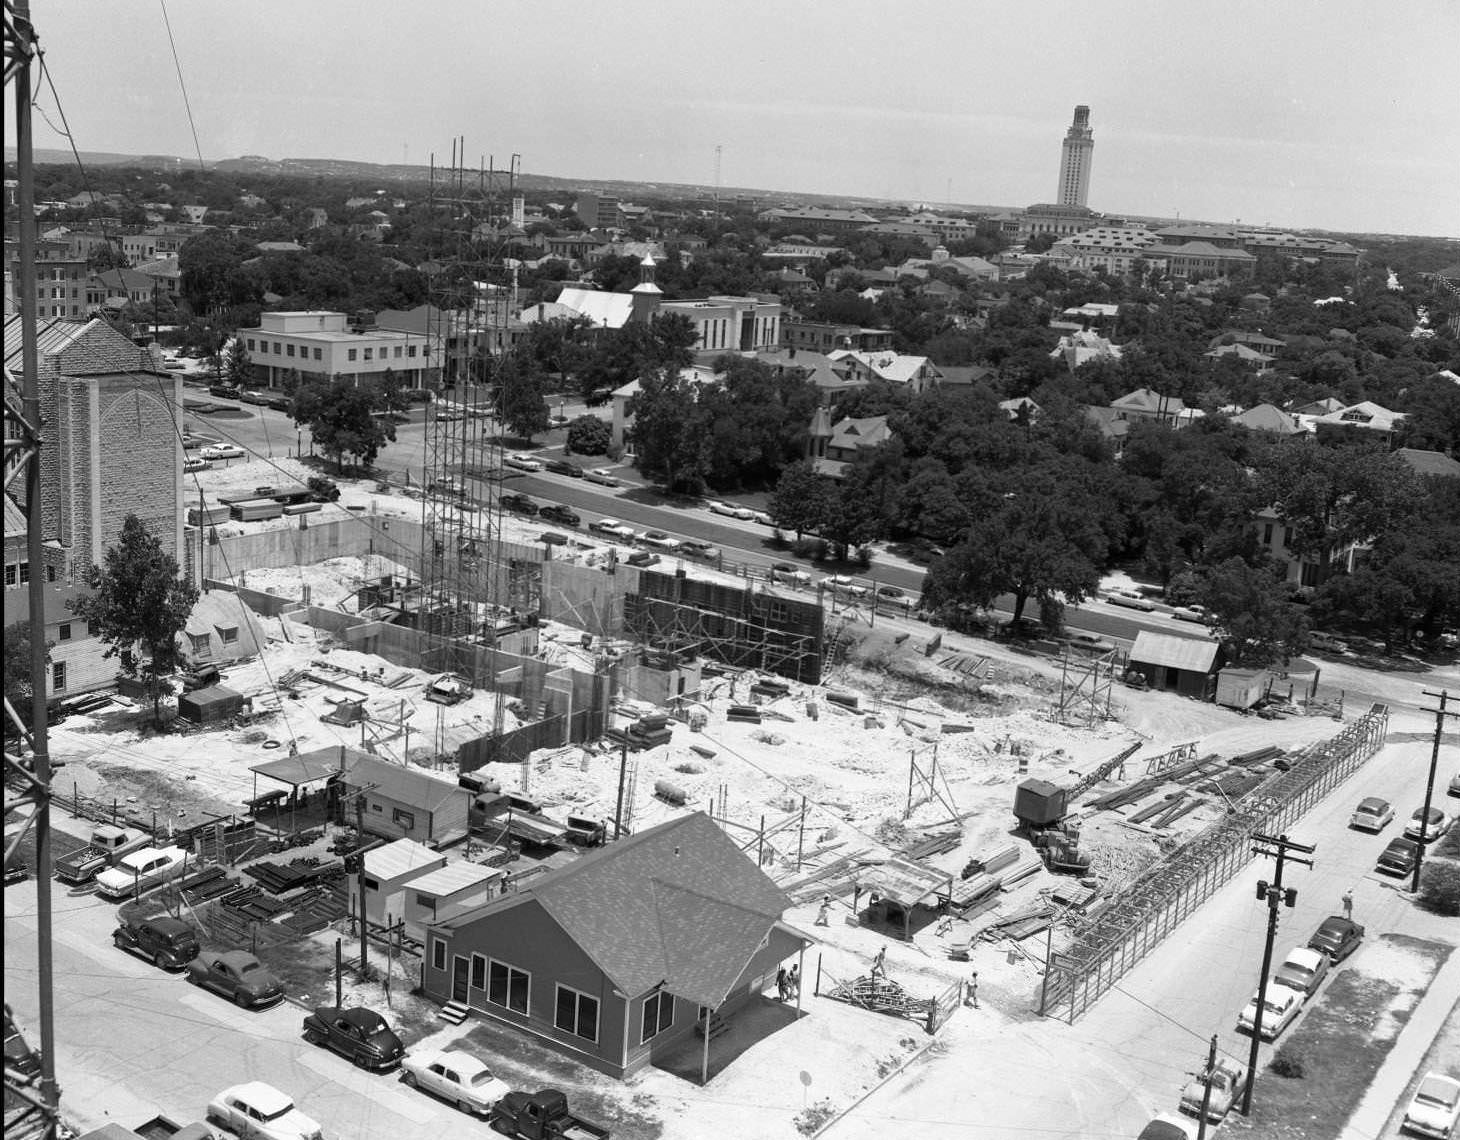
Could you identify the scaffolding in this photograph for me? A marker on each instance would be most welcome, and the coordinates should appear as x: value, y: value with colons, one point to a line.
x: 1085, y: 688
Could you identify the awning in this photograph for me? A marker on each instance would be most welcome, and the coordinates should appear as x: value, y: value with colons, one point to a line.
x: 308, y: 767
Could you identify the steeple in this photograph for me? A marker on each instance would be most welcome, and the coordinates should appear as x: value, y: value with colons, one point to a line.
x: 646, y: 294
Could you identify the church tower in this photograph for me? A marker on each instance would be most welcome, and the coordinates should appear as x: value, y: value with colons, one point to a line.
x: 1075, y: 158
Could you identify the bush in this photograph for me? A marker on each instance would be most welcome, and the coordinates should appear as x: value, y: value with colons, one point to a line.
x: 814, y: 548
x: 1288, y: 1062
x: 589, y: 435
x: 1439, y: 887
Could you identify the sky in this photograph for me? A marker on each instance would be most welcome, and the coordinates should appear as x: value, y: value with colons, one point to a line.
x: 1329, y: 114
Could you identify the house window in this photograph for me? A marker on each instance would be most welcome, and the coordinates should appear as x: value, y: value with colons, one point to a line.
x: 12, y: 574
x: 58, y: 676
x: 577, y: 1013
x: 250, y: 344
x: 372, y: 884
x: 319, y: 354
x: 289, y: 350
x: 1287, y: 536
x: 658, y: 1014
x: 63, y: 631
x: 24, y: 573
x: 227, y: 633
x: 410, y: 350
x: 1267, y: 534
x: 351, y: 353
x: 507, y: 986
x: 426, y: 902
x: 399, y: 352
x: 402, y: 818
x: 478, y: 972
x: 438, y: 953
x: 200, y: 642
x: 369, y: 354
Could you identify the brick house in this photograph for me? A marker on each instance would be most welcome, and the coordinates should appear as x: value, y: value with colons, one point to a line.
x: 617, y: 957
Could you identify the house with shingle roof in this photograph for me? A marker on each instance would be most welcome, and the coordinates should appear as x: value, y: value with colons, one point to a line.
x: 1267, y: 417
x: 616, y: 958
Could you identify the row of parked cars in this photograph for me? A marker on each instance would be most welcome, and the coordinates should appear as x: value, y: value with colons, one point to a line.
x: 1398, y: 858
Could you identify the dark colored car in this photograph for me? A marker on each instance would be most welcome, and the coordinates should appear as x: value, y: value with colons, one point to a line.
x: 227, y: 391
x: 563, y: 515
x: 359, y: 1034
x: 1398, y: 858
x: 168, y: 943
x: 19, y: 1056
x: 642, y: 558
x: 1338, y: 937
x: 519, y: 503
x: 694, y: 548
x: 563, y: 467
x: 236, y: 975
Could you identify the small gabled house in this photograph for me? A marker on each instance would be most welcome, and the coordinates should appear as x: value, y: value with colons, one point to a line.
x: 404, y: 802
x: 389, y: 872
x: 1184, y: 665
x: 614, y: 959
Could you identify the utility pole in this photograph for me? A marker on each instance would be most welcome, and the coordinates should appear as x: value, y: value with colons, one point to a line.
x: 1206, y: 1092
x: 623, y: 767
x: 360, y: 880
x: 1424, y: 836
x: 1275, y: 895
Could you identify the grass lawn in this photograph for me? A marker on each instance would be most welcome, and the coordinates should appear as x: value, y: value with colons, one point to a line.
x: 1340, y: 1047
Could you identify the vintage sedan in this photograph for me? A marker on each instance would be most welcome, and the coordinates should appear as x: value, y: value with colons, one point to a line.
x: 1338, y: 937
x: 360, y: 1034
x: 1372, y: 814
x: 603, y: 476
x: 236, y: 975
x: 1279, y: 1008
x: 1130, y: 599
x: 1427, y: 828
x: 261, y: 1112
x: 222, y: 451
x: 1434, y: 1110
x: 457, y: 1077
x: 140, y: 872
x: 1303, y: 970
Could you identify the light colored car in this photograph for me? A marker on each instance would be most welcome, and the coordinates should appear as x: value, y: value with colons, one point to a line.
x: 762, y: 517
x: 614, y: 529
x: 1278, y: 1010
x: 1168, y: 1127
x: 844, y: 584
x: 659, y: 540
x: 523, y: 462
x: 1372, y: 814
x: 1089, y: 641
x: 1226, y: 1081
x: 1303, y: 970
x: 458, y: 1077
x: 140, y: 871
x: 789, y: 573
x: 1434, y: 1110
x: 191, y: 465
x: 1419, y: 827
x: 222, y: 451
x: 1196, y: 614
x: 1130, y: 599
x: 1455, y: 784
x: 730, y: 509
x: 694, y: 548
x: 1317, y: 639
x: 603, y: 476
x: 262, y: 1111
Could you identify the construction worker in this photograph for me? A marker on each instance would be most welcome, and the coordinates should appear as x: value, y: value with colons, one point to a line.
x: 823, y: 916
x: 970, y: 995
x: 879, y: 963
x: 1348, y: 904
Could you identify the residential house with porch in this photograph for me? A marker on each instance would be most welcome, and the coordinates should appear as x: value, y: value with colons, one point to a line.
x: 618, y: 959
x: 833, y: 446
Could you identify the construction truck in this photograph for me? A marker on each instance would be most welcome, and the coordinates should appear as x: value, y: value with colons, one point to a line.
x: 108, y: 844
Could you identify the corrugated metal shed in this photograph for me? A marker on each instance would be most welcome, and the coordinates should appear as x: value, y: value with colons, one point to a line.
x: 1198, y: 655
x: 400, y: 858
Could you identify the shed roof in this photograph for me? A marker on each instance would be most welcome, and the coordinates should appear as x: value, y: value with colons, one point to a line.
x: 455, y: 877
x: 1190, y: 653
x: 307, y: 767
x: 678, y: 905
x: 399, y: 858
x: 399, y: 782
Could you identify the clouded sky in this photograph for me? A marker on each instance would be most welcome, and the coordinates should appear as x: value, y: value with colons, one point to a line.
x: 1338, y: 114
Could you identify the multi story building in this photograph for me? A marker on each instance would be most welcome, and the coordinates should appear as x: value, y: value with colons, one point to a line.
x: 731, y: 324
x: 1076, y: 155
x: 1116, y: 249
x: 824, y: 336
x: 597, y: 211
x: 60, y: 281
x: 323, y: 345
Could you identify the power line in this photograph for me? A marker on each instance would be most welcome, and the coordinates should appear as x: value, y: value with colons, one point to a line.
x: 177, y: 64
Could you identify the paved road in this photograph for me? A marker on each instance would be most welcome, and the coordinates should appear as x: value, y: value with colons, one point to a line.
x: 181, y: 1045
x: 1127, y: 1059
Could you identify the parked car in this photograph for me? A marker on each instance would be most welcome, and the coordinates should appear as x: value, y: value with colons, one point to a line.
x: 455, y: 1076
x: 236, y: 975
x: 694, y: 548
x: 614, y: 529
x: 19, y: 1056
x: 108, y: 844
x: 1279, y: 1008
x: 659, y: 540
x: 893, y: 594
x: 1434, y: 1110
x: 1338, y: 937
x: 542, y: 1115
x: 1398, y: 858
x: 1303, y: 970
x: 1427, y: 828
x: 140, y: 872
x: 553, y: 538
x: 523, y: 462
x: 642, y: 558
x: 278, y: 403
x: 1454, y: 788
x: 519, y: 503
x: 1192, y: 613
x: 789, y: 573
x: 1326, y: 642
x: 559, y: 514
x: 1130, y: 599
x: 1088, y: 641
x: 1168, y: 1127
x: 729, y: 509
x: 844, y: 584
x: 1372, y: 814
x: 762, y: 517
x: 358, y: 1033
x: 190, y: 465
x: 222, y: 451
x: 1225, y: 1078
x: 563, y: 467
x: 253, y: 396
x: 259, y: 1110
x: 225, y: 391
x: 168, y: 943
x: 602, y: 475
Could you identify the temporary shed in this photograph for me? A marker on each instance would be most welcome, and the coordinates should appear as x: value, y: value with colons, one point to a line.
x: 1185, y: 665
x: 404, y: 802
x: 1242, y: 688
x: 389, y: 870
x: 442, y: 894
x: 210, y: 705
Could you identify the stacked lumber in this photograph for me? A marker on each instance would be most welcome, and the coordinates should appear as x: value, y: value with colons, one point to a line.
x: 1157, y: 808
x: 936, y: 844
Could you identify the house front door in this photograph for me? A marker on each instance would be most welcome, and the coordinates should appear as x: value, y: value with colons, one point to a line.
x: 460, y: 972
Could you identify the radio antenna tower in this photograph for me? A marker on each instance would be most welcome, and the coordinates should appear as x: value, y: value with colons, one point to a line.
x: 718, y: 151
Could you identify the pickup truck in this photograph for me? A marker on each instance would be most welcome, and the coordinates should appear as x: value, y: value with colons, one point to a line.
x: 108, y: 844
x: 542, y: 1115
x: 1226, y: 1081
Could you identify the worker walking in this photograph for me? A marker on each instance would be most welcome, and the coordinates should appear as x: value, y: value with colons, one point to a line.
x: 781, y: 983
x: 793, y: 982
x: 1348, y: 904
x: 879, y: 963
x: 970, y: 996
x: 823, y: 916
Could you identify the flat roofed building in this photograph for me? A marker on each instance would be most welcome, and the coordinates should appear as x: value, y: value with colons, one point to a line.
x: 322, y: 345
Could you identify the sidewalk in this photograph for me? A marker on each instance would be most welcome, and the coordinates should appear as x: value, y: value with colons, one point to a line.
x: 1369, y: 1119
